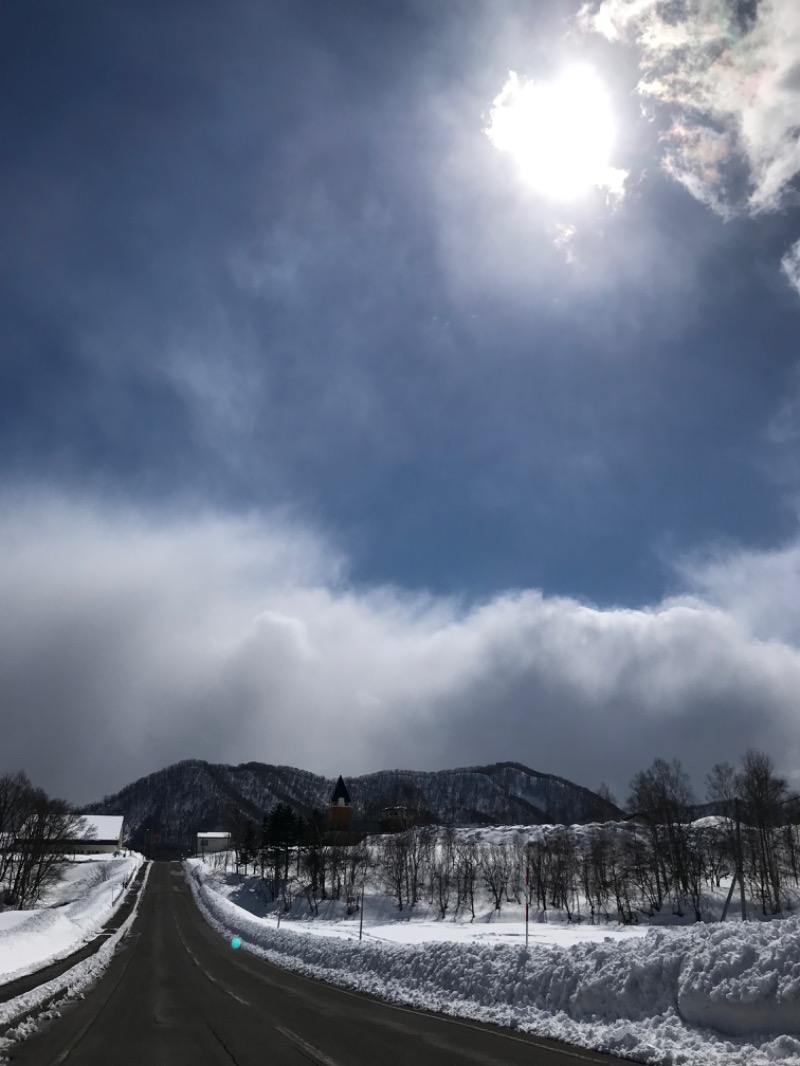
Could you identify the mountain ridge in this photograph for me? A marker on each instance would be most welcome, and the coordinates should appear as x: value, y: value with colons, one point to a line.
x: 176, y: 802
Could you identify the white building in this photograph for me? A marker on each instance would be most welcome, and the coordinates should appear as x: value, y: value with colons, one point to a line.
x: 98, y: 833
x: 211, y: 842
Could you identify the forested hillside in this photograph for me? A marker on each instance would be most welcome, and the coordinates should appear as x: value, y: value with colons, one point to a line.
x: 173, y: 804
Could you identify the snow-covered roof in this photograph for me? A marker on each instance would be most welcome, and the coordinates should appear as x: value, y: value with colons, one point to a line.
x: 105, y: 826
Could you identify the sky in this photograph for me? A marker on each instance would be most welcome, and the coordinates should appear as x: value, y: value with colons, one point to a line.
x: 398, y: 384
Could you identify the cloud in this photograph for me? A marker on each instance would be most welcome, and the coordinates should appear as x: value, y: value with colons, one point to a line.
x: 790, y: 264
x: 563, y: 237
x: 129, y: 641
x: 757, y: 589
x: 729, y: 77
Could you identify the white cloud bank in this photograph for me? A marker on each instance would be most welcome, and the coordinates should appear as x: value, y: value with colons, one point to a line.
x: 129, y: 642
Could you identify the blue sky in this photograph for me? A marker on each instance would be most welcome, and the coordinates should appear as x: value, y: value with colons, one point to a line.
x: 267, y: 280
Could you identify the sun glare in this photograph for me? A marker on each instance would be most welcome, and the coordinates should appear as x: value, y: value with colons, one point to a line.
x: 561, y: 133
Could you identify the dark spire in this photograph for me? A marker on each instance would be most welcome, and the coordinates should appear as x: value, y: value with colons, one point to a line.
x: 340, y: 792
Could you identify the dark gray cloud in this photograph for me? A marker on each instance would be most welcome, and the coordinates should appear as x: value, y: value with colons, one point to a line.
x: 130, y: 641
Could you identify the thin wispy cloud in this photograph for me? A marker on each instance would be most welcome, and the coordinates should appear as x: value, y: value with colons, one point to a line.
x: 731, y: 80
x: 790, y: 264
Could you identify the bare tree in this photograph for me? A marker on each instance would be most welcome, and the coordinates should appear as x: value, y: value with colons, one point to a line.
x: 468, y: 867
x: 605, y: 793
x: 355, y: 866
x: 496, y: 869
x: 419, y: 843
x: 664, y: 795
x: 763, y: 794
x: 393, y: 867
x: 594, y: 869
x: 443, y: 876
x: 38, y: 834
x: 564, y: 867
x: 721, y: 786
x: 539, y: 861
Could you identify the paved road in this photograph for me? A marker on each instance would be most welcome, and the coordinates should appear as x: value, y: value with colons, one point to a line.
x: 178, y: 995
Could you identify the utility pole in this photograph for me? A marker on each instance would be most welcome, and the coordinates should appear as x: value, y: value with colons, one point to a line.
x: 527, y: 899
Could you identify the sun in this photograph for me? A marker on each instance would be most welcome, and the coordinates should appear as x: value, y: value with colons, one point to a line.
x: 561, y: 133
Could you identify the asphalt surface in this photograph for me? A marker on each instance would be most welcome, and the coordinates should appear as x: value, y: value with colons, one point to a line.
x: 178, y: 995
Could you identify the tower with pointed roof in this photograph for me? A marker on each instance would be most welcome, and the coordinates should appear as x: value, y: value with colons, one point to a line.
x: 339, y: 809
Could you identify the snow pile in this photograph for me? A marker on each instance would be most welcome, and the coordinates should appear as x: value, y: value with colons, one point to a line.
x: 66, y: 985
x: 703, y: 995
x: 78, y: 907
x: 744, y: 979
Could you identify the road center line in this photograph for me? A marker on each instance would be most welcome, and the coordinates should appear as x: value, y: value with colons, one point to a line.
x: 307, y: 1049
x: 210, y: 977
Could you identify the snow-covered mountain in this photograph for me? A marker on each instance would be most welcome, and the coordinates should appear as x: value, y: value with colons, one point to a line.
x: 193, y: 795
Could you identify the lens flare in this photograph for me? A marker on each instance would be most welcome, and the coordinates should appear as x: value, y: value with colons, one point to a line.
x: 560, y: 133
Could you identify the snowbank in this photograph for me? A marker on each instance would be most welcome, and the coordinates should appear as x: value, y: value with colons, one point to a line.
x: 68, y: 984
x: 79, y: 906
x: 705, y: 995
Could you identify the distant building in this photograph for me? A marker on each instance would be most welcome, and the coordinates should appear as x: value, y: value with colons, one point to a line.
x: 97, y: 834
x: 207, y: 843
x: 396, y: 819
x: 339, y: 811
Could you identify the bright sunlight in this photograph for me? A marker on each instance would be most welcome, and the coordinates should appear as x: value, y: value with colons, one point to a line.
x: 561, y: 133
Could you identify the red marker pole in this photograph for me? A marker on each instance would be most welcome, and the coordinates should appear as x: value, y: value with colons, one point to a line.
x: 527, y: 897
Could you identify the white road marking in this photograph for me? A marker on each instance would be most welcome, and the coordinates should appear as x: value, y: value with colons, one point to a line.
x: 308, y: 1049
x: 212, y: 979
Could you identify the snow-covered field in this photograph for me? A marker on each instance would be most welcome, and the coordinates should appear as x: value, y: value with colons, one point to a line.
x: 703, y: 994
x: 70, y: 914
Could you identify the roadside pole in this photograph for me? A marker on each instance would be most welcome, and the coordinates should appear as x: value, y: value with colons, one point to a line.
x: 361, y: 915
x: 527, y: 904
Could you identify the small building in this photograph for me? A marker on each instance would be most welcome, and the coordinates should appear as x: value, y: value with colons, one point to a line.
x: 208, y: 843
x: 396, y: 819
x: 98, y: 834
x: 339, y: 811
